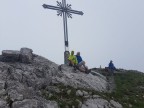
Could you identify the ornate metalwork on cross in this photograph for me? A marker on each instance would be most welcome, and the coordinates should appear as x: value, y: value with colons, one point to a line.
x: 64, y: 10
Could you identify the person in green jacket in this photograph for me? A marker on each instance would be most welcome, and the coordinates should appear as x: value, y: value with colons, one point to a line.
x: 72, y: 59
x: 74, y: 62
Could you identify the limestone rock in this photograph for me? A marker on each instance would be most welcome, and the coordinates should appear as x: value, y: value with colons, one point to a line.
x: 15, y: 96
x: 28, y: 103
x: 10, y: 55
x: 100, y: 103
x: 96, y: 96
x: 2, y: 85
x: 115, y: 104
x: 51, y: 104
x: 85, y: 93
x: 79, y: 93
x: 53, y: 89
x: 78, y: 79
x: 3, y: 104
x: 32, y: 103
x: 2, y: 92
x: 26, y: 55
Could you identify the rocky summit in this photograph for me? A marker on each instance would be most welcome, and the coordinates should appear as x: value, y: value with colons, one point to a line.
x: 31, y: 81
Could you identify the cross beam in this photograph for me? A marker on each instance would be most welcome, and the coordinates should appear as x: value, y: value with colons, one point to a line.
x: 64, y: 10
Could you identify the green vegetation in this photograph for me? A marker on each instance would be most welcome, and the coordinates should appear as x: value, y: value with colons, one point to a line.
x: 63, y: 98
x: 129, y: 89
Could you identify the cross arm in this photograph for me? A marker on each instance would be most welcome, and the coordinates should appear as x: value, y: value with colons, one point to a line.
x: 75, y: 12
x: 51, y: 7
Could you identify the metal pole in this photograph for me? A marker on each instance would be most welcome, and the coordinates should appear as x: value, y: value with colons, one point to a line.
x: 66, y: 53
x: 64, y: 29
x: 67, y: 43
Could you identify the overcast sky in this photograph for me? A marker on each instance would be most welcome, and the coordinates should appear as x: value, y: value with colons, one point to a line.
x: 108, y: 30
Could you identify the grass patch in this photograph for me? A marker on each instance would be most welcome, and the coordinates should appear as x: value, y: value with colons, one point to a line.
x: 62, y: 98
x: 129, y: 89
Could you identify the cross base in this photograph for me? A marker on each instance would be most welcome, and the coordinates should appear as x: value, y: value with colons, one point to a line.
x: 66, y: 55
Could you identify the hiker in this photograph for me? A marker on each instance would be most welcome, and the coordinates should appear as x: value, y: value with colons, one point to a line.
x: 111, y: 67
x: 72, y: 59
x: 81, y: 64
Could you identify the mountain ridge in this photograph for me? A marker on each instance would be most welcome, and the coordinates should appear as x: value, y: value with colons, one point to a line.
x: 28, y: 80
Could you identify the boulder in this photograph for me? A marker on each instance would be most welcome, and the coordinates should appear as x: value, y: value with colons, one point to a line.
x: 10, y: 56
x: 26, y: 55
x: 115, y: 104
x: 27, y: 103
x: 79, y: 93
x: 85, y: 93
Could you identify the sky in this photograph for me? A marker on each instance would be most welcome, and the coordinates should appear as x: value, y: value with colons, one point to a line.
x: 108, y: 30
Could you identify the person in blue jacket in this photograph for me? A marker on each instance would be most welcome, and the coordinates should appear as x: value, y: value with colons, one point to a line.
x: 81, y: 64
x: 111, y: 66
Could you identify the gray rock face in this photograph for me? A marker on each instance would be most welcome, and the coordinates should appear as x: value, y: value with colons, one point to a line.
x: 26, y: 55
x: 15, y: 96
x: 3, y: 104
x: 22, y: 83
x: 32, y: 103
x: 78, y: 79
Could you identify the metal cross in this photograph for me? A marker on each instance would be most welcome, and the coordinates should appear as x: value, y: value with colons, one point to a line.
x: 64, y: 10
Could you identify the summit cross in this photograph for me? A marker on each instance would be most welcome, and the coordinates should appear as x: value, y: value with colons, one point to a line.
x: 64, y: 9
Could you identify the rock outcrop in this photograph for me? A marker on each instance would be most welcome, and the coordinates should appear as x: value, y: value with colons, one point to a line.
x: 78, y: 79
x: 24, y: 55
x: 10, y: 55
x: 24, y: 75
